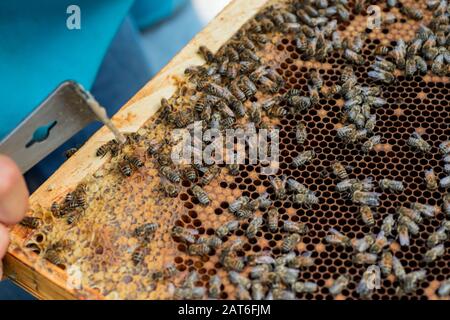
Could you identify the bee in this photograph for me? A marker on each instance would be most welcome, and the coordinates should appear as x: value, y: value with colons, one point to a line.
x: 367, y: 216
x: 238, y: 204
x: 233, y: 263
x: 381, y: 50
x: 296, y: 186
x: 173, y: 175
x: 190, y: 173
x: 290, y: 241
x: 308, y: 199
x: 412, y: 13
x: 431, y: 179
x: 425, y: 209
x: 383, y: 64
x: 362, y: 244
x: 447, y: 168
x: 438, y: 66
x: 103, y: 150
x: 316, y: 79
x: 247, y: 86
x: 253, y: 227
x: 380, y: 242
x: 386, y: 263
x: 388, y: 224
x: 53, y: 256
x: 370, y: 144
x: 346, y: 133
x: 198, y: 249
x: 410, y: 213
x: 444, y: 288
x: 206, y: 54
x: 272, y: 219
x: 403, y: 234
x: 209, y: 175
x: 125, y: 168
x: 446, y: 204
x: 381, y: 75
x: 260, y: 271
x: 57, y: 210
x: 214, y: 287
x: 336, y: 238
x: 244, y: 213
x: 226, y: 228
x: 214, y: 242
x: 353, y: 57
x: 262, y: 202
x: 410, y: 67
x: 412, y: 279
x: 434, y: 253
x: 200, y: 194
x: 304, y: 287
x: 134, y: 161
x: 70, y: 152
x: 413, y: 228
x: 185, y: 235
x: 418, y: 143
x: 233, y: 169
x: 391, y: 185
x: 299, y: 103
x: 399, y: 270
x: 258, y: 290
x: 138, y: 255
x: 287, y: 275
x: 445, y: 182
x: 370, y: 199
x: 305, y: 260
x: 362, y: 258
x: 339, y: 170
x: 365, y: 286
x: 73, y: 217
x: 303, y: 158
x: 339, y: 285
x: 145, y: 230
x: 279, y: 186
x: 170, y: 270
x: 421, y: 64
x: 313, y: 96
x: 30, y: 222
x: 301, y: 134
x: 444, y: 147
x: 293, y: 227
x: 437, y: 237
x: 277, y: 112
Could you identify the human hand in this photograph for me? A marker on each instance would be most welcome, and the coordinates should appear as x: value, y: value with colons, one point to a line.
x: 13, y: 200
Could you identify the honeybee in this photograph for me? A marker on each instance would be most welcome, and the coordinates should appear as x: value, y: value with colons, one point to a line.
x: 381, y: 63
x: 362, y: 258
x: 367, y: 216
x: 444, y: 288
x: 391, y: 185
x: 299, y: 103
x: 226, y: 228
x: 258, y: 290
x: 304, y: 287
x: 247, y: 86
x: 381, y: 50
x: 431, y: 179
x: 145, y: 230
x: 294, y: 227
x: 70, y: 152
x: 410, y: 213
x: 434, y: 253
x: 296, y: 186
x: 412, y: 13
x: 437, y: 237
x: 308, y: 199
x: 444, y: 147
x: 371, y: 123
x: 238, y: 279
x: 446, y: 204
x: 173, y: 175
x: 425, y: 209
x: 185, y: 235
x: 365, y: 287
x: 388, y: 225
x: 339, y: 285
x: 262, y: 202
x: 353, y: 57
x: 287, y: 275
x: 244, y: 213
x: 301, y: 134
x: 386, y: 262
x: 399, y: 270
x: 139, y: 254
x: 336, y: 238
x: 403, y: 234
x: 209, y: 175
x: 279, y: 186
x: 134, y: 161
x: 30, y: 222
x: 206, y: 54
x: 444, y: 183
x: 198, y: 249
x: 339, y: 170
x: 53, y: 256
x: 346, y: 133
x: 412, y: 280
x: 413, y: 228
x: 238, y: 204
x: 381, y: 75
x: 253, y: 227
x: 410, y: 67
x: 214, y: 286
x: 370, y: 199
x: 303, y: 158
x: 362, y: 244
x: 380, y: 242
x: 272, y: 219
x: 370, y: 144
x: 447, y: 168
x: 290, y: 241
x: 418, y: 143
x: 125, y: 168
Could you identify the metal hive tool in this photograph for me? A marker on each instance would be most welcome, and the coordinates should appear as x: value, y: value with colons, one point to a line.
x: 104, y: 233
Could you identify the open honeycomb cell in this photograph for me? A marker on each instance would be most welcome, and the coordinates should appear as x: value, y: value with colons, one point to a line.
x: 418, y: 103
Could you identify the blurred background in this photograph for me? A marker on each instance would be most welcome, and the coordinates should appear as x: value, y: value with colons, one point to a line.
x: 147, y: 35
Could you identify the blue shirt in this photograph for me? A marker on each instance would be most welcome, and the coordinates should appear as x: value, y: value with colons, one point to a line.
x: 38, y: 51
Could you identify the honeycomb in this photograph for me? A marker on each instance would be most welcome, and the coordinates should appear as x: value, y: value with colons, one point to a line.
x: 116, y: 206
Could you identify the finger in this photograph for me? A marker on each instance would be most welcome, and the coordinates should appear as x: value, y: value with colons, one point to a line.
x: 13, y: 192
x: 4, y: 240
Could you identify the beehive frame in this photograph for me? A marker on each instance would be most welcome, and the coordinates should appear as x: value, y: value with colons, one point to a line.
x: 424, y: 107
